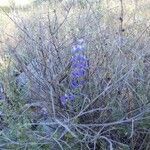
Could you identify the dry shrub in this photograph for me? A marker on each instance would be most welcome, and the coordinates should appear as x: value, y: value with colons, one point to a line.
x: 113, y: 106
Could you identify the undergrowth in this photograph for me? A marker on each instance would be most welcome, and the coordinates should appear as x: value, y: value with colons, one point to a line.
x: 76, y: 77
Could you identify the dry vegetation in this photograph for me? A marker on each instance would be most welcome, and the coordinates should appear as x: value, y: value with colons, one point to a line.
x: 113, y: 108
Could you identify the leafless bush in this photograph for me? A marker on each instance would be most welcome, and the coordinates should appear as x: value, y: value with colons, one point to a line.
x: 115, y: 99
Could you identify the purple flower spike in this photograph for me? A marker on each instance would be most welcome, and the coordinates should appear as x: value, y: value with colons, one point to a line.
x: 63, y: 100
x: 79, y: 66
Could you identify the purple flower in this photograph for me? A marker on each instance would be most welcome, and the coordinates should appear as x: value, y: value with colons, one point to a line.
x: 79, y: 58
x: 80, y: 41
x: 77, y: 48
x: 67, y: 97
x: 75, y: 83
x: 64, y: 100
x: 78, y: 73
x: 79, y: 65
x: 82, y: 65
x: 71, y: 96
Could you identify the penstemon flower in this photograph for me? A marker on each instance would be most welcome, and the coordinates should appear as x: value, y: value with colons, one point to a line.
x: 64, y: 99
x: 79, y: 47
x: 78, y: 71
